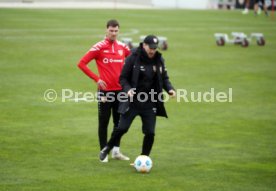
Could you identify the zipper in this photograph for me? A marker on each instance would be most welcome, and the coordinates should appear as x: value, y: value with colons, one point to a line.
x: 113, y: 48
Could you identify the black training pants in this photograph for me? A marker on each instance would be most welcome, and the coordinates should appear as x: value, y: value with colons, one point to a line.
x: 106, y: 106
x: 148, y: 117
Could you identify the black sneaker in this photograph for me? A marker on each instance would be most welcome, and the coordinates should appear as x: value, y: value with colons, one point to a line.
x: 103, y: 154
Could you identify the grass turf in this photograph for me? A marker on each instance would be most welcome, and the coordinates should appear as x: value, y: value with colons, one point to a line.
x: 202, y: 146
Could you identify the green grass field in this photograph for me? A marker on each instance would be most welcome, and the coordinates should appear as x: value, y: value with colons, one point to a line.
x: 202, y: 146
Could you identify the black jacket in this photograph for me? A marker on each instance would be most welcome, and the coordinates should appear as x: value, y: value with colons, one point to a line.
x: 130, y: 75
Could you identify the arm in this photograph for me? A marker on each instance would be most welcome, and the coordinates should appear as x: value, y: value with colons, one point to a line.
x: 126, y: 74
x: 166, y: 82
x: 90, y: 55
x: 127, y: 51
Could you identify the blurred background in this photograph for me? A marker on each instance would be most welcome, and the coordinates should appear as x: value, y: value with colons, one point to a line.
x: 202, y: 146
x: 178, y: 4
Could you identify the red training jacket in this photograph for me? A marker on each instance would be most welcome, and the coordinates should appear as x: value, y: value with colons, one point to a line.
x: 110, y: 57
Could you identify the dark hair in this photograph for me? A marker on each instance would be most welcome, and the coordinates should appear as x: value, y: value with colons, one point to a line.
x: 113, y: 23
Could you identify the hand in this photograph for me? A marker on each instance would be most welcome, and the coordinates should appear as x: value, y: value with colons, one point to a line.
x: 101, y: 84
x: 172, y: 93
x: 130, y: 93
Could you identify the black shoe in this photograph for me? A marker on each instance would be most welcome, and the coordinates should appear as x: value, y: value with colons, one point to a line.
x: 104, y: 152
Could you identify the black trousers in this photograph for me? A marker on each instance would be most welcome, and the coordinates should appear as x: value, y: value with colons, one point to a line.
x: 148, y: 118
x: 106, y: 106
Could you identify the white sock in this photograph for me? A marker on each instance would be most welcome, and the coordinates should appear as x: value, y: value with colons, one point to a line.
x: 116, y: 149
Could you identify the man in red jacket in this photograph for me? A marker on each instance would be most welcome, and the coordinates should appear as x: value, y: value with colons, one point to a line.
x: 109, y: 55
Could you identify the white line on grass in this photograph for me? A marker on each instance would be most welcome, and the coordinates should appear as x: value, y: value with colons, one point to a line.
x: 42, y: 36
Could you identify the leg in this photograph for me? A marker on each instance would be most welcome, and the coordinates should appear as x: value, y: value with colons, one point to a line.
x: 265, y: 8
x: 124, y: 124
x: 104, y: 112
x: 247, y: 2
x: 246, y: 7
x: 149, y: 121
x: 116, y: 154
x: 256, y: 7
x: 116, y: 118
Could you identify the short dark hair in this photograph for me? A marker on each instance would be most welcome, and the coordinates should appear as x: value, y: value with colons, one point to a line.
x: 113, y: 23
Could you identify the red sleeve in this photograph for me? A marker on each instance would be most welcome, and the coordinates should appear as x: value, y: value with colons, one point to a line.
x: 127, y: 51
x: 90, y: 55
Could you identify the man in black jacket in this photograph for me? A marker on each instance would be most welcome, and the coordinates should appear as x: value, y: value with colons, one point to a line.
x: 143, y: 77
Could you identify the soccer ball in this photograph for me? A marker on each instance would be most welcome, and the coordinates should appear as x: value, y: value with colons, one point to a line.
x: 143, y: 164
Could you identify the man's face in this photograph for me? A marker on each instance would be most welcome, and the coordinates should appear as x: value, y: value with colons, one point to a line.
x: 112, y: 32
x: 150, y: 52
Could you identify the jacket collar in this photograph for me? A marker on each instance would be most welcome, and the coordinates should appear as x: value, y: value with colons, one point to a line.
x: 110, y: 41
